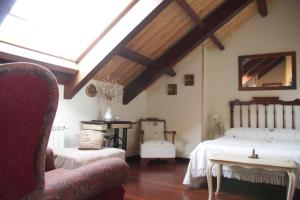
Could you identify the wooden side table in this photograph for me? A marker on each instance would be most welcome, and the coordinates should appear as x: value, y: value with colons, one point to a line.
x: 267, y: 163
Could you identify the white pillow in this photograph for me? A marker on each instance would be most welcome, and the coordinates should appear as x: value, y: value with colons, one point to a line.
x: 256, y: 133
x: 90, y: 139
x: 283, y: 134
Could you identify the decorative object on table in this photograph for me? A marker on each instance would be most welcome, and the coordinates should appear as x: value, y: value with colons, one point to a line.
x: 216, y: 127
x: 91, y: 140
x: 253, y: 155
x: 91, y: 90
x: 172, y: 89
x: 110, y: 93
x: 189, y: 79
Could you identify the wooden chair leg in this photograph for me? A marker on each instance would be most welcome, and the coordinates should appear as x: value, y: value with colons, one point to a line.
x: 144, y: 161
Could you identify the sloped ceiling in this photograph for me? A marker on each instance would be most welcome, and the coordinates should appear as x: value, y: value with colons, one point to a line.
x: 166, y: 35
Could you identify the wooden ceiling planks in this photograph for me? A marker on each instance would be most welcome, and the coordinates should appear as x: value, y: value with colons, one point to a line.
x: 117, y: 70
x: 234, y: 24
x: 162, y: 32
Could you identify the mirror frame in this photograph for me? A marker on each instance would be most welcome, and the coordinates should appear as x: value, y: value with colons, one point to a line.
x: 294, y: 79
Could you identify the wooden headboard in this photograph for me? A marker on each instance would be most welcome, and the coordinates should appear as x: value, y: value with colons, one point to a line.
x: 266, y: 102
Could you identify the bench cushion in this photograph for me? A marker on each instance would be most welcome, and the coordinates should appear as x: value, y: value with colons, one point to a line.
x: 71, y: 158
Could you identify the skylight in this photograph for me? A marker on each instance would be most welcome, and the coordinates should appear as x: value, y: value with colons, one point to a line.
x: 62, y: 28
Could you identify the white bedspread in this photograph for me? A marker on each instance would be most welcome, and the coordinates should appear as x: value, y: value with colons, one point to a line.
x: 277, y: 148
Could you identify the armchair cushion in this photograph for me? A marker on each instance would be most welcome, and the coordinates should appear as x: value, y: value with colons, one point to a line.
x: 153, y: 130
x: 83, y: 183
x: 157, y: 149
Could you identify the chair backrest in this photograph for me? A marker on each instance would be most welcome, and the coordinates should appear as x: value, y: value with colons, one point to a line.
x: 153, y: 129
x: 28, y: 102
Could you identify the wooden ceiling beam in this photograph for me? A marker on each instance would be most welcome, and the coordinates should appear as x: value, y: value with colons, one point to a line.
x: 266, y: 62
x: 196, y: 36
x: 135, y: 56
x: 5, y: 7
x: 250, y: 64
x: 141, y: 59
x: 271, y: 66
x: 262, y: 7
x: 61, y: 77
x: 198, y: 21
x: 87, y: 74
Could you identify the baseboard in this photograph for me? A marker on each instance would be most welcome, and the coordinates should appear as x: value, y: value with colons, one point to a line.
x: 137, y: 157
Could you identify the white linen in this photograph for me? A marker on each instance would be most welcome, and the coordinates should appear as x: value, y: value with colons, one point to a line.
x: 243, y: 146
x: 72, y: 158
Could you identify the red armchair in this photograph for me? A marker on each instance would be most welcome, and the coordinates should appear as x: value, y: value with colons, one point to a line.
x: 28, y: 102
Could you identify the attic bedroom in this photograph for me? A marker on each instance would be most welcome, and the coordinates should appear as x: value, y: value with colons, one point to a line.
x: 149, y: 99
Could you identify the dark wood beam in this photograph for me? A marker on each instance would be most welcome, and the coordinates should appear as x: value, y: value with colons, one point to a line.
x: 261, y: 65
x: 271, y: 66
x: 5, y: 6
x: 141, y: 59
x: 262, y: 7
x: 171, y: 72
x: 82, y: 78
x: 135, y: 57
x: 193, y: 15
x: 250, y: 64
x: 52, y: 67
x: 196, y: 36
x: 62, y: 78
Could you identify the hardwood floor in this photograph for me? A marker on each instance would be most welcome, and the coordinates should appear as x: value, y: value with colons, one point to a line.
x: 163, y: 181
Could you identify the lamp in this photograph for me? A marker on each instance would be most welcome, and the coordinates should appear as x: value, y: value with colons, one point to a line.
x: 216, y: 127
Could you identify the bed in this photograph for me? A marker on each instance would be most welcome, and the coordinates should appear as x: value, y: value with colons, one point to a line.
x: 265, y: 123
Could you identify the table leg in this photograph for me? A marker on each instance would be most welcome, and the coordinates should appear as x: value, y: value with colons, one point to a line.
x: 219, y: 175
x: 291, y: 185
x: 209, y: 181
x: 125, y: 138
x: 116, y: 138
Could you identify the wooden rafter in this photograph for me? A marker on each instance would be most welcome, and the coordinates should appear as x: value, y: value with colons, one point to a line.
x: 196, y: 36
x: 198, y: 21
x: 271, y: 66
x: 249, y: 65
x: 62, y: 77
x: 262, y: 7
x: 261, y: 65
x: 141, y: 59
x: 83, y: 77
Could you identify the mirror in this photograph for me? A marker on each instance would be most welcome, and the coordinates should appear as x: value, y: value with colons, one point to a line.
x: 276, y: 71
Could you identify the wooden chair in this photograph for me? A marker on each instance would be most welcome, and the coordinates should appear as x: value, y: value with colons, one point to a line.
x: 154, y: 141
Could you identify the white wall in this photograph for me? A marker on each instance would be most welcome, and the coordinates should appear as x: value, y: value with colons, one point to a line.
x: 83, y: 108
x: 182, y: 111
x: 278, y: 32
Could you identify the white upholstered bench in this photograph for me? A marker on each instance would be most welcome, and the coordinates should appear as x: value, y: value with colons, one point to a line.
x: 71, y: 158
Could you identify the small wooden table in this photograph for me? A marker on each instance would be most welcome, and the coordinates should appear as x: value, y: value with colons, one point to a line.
x: 99, y: 125
x: 267, y: 163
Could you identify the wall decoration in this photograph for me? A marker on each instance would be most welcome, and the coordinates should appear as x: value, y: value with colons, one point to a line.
x: 172, y: 89
x: 91, y: 90
x: 189, y: 79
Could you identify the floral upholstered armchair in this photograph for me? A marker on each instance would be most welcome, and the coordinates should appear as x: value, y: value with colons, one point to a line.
x: 28, y: 103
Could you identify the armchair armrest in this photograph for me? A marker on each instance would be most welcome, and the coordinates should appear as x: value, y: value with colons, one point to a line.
x: 141, y: 136
x: 85, y: 182
x: 49, y: 160
x: 173, y: 135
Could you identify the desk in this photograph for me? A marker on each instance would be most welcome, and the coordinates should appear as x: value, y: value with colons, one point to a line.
x: 267, y: 163
x: 98, y: 125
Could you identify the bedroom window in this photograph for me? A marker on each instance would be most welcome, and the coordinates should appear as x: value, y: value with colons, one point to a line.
x: 62, y: 28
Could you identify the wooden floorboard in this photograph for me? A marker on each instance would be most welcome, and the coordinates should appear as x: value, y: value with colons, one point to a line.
x: 163, y: 181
